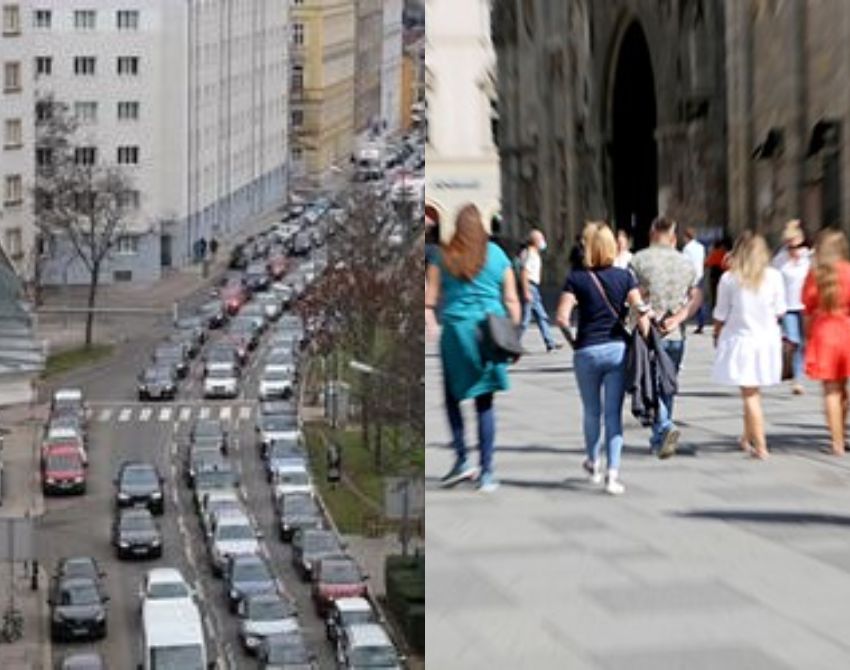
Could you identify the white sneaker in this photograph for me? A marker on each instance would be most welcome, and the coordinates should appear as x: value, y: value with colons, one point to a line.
x: 593, y: 469
x: 613, y: 486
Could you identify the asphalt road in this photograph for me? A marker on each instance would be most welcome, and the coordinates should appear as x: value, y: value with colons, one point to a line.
x: 121, y: 428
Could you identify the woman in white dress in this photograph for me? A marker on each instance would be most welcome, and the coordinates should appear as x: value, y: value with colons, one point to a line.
x: 750, y: 302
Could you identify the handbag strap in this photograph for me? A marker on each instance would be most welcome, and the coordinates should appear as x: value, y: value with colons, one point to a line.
x: 604, y: 295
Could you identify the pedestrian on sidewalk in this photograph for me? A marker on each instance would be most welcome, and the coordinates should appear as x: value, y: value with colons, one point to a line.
x: 794, y: 262
x: 750, y: 302
x: 716, y: 263
x: 668, y: 282
x: 624, y: 253
x: 695, y: 253
x: 475, y: 278
x: 533, y: 303
x: 213, y: 247
x: 601, y: 291
x: 826, y: 296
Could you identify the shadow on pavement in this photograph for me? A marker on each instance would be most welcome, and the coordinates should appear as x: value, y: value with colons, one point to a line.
x: 514, y: 448
x: 759, y: 516
x: 527, y: 371
x: 568, y: 484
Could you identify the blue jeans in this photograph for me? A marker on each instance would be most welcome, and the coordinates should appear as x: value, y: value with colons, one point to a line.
x: 664, y: 419
x: 601, y: 377
x: 534, y: 307
x: 702, y: 312
x: 792, y: 328
x: 486, y: 428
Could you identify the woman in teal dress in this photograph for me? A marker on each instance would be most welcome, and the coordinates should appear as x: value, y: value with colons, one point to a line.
x: 474, y: 278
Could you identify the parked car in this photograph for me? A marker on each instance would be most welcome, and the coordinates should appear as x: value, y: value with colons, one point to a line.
x: 336, y: 577
x: 221, y: 382
x: 157, y: 383
x: 297, y: 511
x: 213, y: 314
x: 82, y: 660
x: 367, y: 645
x: 136, y: 535
x: 166, y: 584
x: 231, y: 537
x: 311, y: 545
x: 281, y: 454
x: 344, y: 612
x: 247, y: 575
x: 276, y: 383
x: 223, y: 477
x: 264, y: 614
x: 210, y: 432
x: 77, y: 609
x: 199, y: 458
x: 78, y: 566
x: 139, y: 483
x: 288, y: 651
x: 216, y: 505
x: 174, y: 355
x: 63, y: 470
x: 273, y: 427
x: 291, y: 478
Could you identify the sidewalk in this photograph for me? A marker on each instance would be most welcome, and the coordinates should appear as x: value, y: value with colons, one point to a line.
x: 22, y: 495
x: 709, y: 560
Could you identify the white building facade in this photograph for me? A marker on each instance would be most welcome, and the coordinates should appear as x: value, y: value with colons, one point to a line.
x: 391, y: 65
x: 189, y: 97
x: 463, y: 164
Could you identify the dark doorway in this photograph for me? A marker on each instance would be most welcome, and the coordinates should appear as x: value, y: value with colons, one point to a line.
x: 165, y: 251
x: 634, y: 154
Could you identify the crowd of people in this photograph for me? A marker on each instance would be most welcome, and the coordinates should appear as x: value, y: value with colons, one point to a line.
x: 775, y: 317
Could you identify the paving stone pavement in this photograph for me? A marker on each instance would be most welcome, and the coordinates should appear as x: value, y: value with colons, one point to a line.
x: 710, y: 560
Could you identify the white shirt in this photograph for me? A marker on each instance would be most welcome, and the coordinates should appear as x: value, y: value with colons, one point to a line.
x: 794, y: 273
x: 532, y: 265
x: 623, y: 259
x: 696, y: 255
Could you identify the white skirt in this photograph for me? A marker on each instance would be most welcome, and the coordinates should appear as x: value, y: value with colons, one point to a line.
x: 748, y: 360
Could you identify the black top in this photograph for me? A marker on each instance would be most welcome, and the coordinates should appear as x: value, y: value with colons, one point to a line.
x: 597, y: 324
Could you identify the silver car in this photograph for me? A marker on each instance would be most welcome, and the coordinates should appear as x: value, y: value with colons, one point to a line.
x: 221, y: 382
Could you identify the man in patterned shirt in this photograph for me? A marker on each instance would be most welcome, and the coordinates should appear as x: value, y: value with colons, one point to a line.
x: 668, y: 283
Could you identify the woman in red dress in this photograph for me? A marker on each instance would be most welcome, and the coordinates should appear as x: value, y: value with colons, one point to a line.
x: 826, y: 296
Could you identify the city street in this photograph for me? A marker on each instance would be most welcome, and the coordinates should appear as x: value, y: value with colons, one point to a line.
x: 709, y: 560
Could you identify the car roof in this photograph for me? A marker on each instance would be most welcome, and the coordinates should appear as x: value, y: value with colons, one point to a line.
x: 353, y: 605
x: 164, y: 575
x: 135, y: 511
x: 367, y: 635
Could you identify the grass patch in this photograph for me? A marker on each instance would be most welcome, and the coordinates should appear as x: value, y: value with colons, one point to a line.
x: 65, y: 361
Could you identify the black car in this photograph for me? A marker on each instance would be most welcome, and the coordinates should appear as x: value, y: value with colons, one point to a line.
x: 199, y: 458
x: 174, y: 355
x: 139, y: 483
x: 194, y: 325
x: 245, y: 327
x: 288, y: 651
x: 246, y: 575
x: 186, y: 339
x: 78, y: 566
x: 210, y: 432
x: 82, y: 660
x: 136, y: 535
x: 77, y: 609
x: 311, y: 545
x: 257, y: 277
x: 297, y: 511
x: 213, y: 314
x: 157, y: 383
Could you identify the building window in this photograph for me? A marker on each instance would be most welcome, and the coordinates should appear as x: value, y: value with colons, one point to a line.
x: 13, y: 134
x: 84, y: 65
x: 12, y: 77
x: 43, y: 156
x: 128, y: 155
x: 43, y: 66
x: 297, y: 153
x: 127, y: 245
x: 14, y: 191
x: 86, y: 112
x: 297, y: 78
x: 130, y: 200
x: 297, y: 2
x: 128, y: 111
x: 297, y: 118
x: 128, y: 65
x: 42, y: 18
x: 14, y: 246
x: 85, y: 19
x: 11, y: 20
x: 298, y: 33
x: 127, y: 19
x: 85, y: 155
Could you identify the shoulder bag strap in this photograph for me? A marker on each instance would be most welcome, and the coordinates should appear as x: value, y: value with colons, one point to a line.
x: 604, y: 295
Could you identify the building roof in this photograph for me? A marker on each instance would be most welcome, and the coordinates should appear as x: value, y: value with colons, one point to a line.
x: 19, y: 350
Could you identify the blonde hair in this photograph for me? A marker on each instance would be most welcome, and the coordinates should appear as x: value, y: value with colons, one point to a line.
x: 750, y: 258
x: 600, y: 245
x: 793, y: 231
x: 830, y: 250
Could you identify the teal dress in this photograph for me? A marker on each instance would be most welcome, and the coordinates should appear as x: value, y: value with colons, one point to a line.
x: 468, y: 368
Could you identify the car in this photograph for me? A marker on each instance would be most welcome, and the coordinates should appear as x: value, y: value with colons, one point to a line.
x: 233, y: 294
x: 281, y: 454
x: 336, y: 577
x: 139, y: 483
x: 302, y: 244
x: 173, y: 355
x: 284, y: 292
x: 63, y: 470
x: 244, y: 329
x: 221, y: 382
x: 60, y: 424
x: 257, y: 276
x: 186, y: 339
x: 255, y: 311
x: 223, y: 477
x: 311, y: 545
x: 135, y: 534
x: 78, y: 566
x: 287, y: 651
x: 201, y: 457
x: 272, y: 305
x: 271, y: 427
x: 215, y: 506
x: 247, y: 574
x: 291, y: 478
x: 277, y: 267
x: 82, y: 660
x: 367, y: 645
x: 297, y: 511
x: 282, y: 407
x: 195, y: 325
x: 344, y: 612
x: 231, y: 537
x: 67, y: 399
x: 209, y: 432
x: 221, y: 353
x: 264, y: 614
x: 77, y: 609
x: 64, y: 436
x: 157, y: 383
x: 276, y: 383
x: 165, y: 584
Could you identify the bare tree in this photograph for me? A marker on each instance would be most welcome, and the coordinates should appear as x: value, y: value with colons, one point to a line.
x: 80, y: 202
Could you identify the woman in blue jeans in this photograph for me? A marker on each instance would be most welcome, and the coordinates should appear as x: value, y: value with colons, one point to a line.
x: 601, y: 292
x: 475, y: 278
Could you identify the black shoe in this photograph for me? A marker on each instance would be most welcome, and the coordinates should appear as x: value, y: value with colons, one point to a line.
x: 698, y: 330
x: 554, y: 347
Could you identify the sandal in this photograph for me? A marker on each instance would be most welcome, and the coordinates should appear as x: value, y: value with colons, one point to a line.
x: 829, y: 451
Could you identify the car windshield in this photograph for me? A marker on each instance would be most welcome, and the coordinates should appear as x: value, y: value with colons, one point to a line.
x: 221, y: 373
x: 340, y: 572
x: 250, y: 571
x: 320, y: 542
x: 268, y: 610
x: 136, y: 522
x: 214, y: 479
x: 79, y: 567
x: 157, y: 374
x: 242, y: 326
x: 235, y: 531
x: 166, y: 590
x: 285, y: 449
x: 299, y: 505
x: 139, y: 476
x: 83, y: 593
x: 221, y: 354
x: 208, y: 428
x: 278, y: 423
x: 291, y: 651
x: 294, y: 478
x: 69, y: 461
x: 181, y: 657
x: 277, y: 375
x: 380, y: 656
x: 355, y: 616
x: 210, y: 308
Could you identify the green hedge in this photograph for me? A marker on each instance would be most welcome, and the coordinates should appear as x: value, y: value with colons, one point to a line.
x: 405, y: 582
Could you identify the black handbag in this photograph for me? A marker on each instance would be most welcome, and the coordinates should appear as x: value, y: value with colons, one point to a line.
x: 503, y: 337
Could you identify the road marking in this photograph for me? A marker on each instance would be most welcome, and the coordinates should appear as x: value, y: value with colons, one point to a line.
x: 165, y: 414
x: 204, y: 413
x: 145, y: 414
x: 245, y: 412
x: 185, y: 413
x: 105, y: 415
x: 124, y: 416
x: 224, y: 415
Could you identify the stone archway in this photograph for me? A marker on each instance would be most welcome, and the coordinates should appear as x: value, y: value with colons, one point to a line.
x: 633, y: 150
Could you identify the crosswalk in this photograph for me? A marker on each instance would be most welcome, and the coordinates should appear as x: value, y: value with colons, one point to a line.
x: 135, y: 413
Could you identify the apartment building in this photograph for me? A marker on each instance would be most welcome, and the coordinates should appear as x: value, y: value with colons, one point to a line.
x: 321, y: 86
x: 391, y: 65
x: 185, y: 96
x: 368, y: 62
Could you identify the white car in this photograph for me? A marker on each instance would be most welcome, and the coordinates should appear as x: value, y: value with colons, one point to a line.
x: 276, y: 382
x: 221, y: 382
x: 230, y: 537
x: 272, y: 304
x: 291, y: 479
x: 165, y: 584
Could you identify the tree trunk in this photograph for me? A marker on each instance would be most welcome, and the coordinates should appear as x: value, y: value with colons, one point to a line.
x: 95, y: 276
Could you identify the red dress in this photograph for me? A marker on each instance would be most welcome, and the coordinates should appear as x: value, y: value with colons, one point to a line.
x: 828, y: 338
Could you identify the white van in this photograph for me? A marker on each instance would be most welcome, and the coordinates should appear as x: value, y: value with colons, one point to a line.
x: 173, y: 637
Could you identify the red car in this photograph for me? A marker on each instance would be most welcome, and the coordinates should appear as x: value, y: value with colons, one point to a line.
x: 233, y: 296
x: 70, y: 441
x: 63, y: 471
x: 336, y: 577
